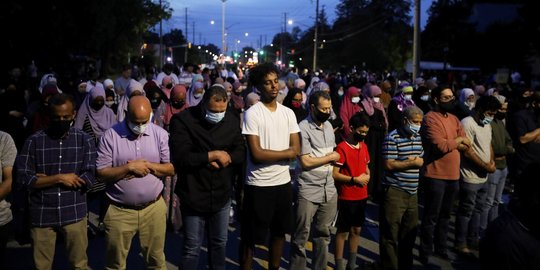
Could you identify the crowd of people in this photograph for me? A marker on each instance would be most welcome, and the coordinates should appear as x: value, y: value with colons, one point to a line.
x: 188, y: 149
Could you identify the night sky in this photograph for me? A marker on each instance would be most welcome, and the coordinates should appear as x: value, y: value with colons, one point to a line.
x: 261, y: 19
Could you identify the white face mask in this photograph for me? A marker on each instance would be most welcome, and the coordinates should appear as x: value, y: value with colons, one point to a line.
x: 109, y: 103
x: 377, y: 99
x: 407, y: 97
x: 198, y: 95
x: 355, y: 100
x: 140, y: 129
x: 424, y: 98
x: 340, y: 93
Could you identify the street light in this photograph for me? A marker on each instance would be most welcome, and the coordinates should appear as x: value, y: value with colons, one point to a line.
x: 290, y: 22
x: 223, y: 26
x: 212, y: 22
x: 246, y: 34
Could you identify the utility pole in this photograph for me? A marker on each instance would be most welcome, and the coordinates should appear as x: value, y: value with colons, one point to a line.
x: 416, y: 41
x: 193, y: 32
x: 187, y: 41
x: 160, y: 38
x: 315, y: 37
x: 223, y: 27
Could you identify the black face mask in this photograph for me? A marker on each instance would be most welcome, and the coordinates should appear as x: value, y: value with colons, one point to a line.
x: 57, y: 129
x: 447, y: 106
x: 358, y: 137
x: 155, y: 103
x: 500, y: 115
x: 168, y: 86
x: 178, y: 104
x: 321, y: 116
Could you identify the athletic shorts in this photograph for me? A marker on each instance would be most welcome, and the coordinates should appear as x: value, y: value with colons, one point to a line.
x: 266, y: 208
x: 351, y: 214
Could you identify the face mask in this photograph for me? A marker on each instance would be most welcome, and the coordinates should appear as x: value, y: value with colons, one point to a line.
x: 58, y: 129
x: 109, y: 103
x: 500, y: 115
x: 407, y: 97
x: 229, y: 94
x: 168, y: 86
x: 155, y: 103
x: 355, y: 100
x: 358, y: 137
x: 470, y: 105
x: 414, y: 128
x: 321, y: 116
x: 340, y: 93
x: 487, y: 120
x: 447, y: 106
x: 296, y: 104
x: 137, y: 129
x: 178, y: 104
x: 377, y: 99
x: 424, y: 98
x: 198, y: 95
x: 214, y: 118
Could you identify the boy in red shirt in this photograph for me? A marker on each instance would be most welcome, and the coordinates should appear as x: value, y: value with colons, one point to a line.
x: 351, y: 174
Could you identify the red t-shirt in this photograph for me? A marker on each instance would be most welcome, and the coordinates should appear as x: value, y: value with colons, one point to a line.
x: 353, y: 162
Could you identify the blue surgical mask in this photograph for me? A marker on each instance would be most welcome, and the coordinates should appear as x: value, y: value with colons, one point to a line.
x: 414, y: 128
x: 487, y: 120
x: 214, y: 118
x: 424, y: 98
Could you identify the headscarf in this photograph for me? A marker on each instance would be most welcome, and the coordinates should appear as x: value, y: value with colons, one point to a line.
x: 300, y: 112
x: 348, y: 109
x: 299, y: 83
x: 370, y: 105
x: 124, y: 100
x: 251, y: 97
x: 490, y: 91
x: 465, y: 93
x: 100, y: 120
x: 170, y: 110
x: 166, y: 80
x: 310, y: 87
x: 400, y: 100
x: 191, y: 94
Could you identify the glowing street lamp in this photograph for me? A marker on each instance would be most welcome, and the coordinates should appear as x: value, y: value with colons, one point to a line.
x: 290, y: 22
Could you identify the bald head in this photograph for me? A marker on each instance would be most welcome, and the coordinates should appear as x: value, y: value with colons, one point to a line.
x: 139, y: 110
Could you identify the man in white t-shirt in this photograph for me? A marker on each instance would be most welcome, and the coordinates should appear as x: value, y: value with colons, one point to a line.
x: 272, y: 135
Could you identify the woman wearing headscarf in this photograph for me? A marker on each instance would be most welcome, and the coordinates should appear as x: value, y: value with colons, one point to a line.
x: 167, y: 85
x: 40, y: 119
x: 134, y: 89
x: 93, y: 117
x: 293, y: 101
x: 158, y: 101
x: 195, y: 93
x: 177, y: 103
x: 465, y: 105
x: 375, y: 137
x: 350, y: 105
x: 397, y: 105
x: 312, y: 84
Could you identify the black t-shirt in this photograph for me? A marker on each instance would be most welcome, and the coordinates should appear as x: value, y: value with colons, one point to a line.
x: 526, y: 121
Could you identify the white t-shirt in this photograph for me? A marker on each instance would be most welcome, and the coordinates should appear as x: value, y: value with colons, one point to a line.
x: 274, y: 130
x: 481, y: 144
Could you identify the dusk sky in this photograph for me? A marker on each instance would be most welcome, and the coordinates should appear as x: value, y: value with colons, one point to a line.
x: 255, y: 17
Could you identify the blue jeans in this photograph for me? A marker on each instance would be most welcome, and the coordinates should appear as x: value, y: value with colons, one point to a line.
x: 472, y: 198
x: 438, y: 202
x: 216, y: 225
x: 496, y: 182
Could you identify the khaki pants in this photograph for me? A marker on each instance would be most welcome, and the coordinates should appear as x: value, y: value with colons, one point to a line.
x: 76, y: 241
x: 122, y: 224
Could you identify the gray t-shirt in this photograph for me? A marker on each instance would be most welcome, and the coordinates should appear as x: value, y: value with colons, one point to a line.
x: 481, y: 144
x: 8, y: 152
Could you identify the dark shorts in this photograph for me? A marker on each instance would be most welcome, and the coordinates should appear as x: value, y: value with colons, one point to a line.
x: 351, y: 214
x: 266, y: 208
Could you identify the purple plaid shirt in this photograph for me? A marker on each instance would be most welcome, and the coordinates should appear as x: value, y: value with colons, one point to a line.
x: 75, y: 153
